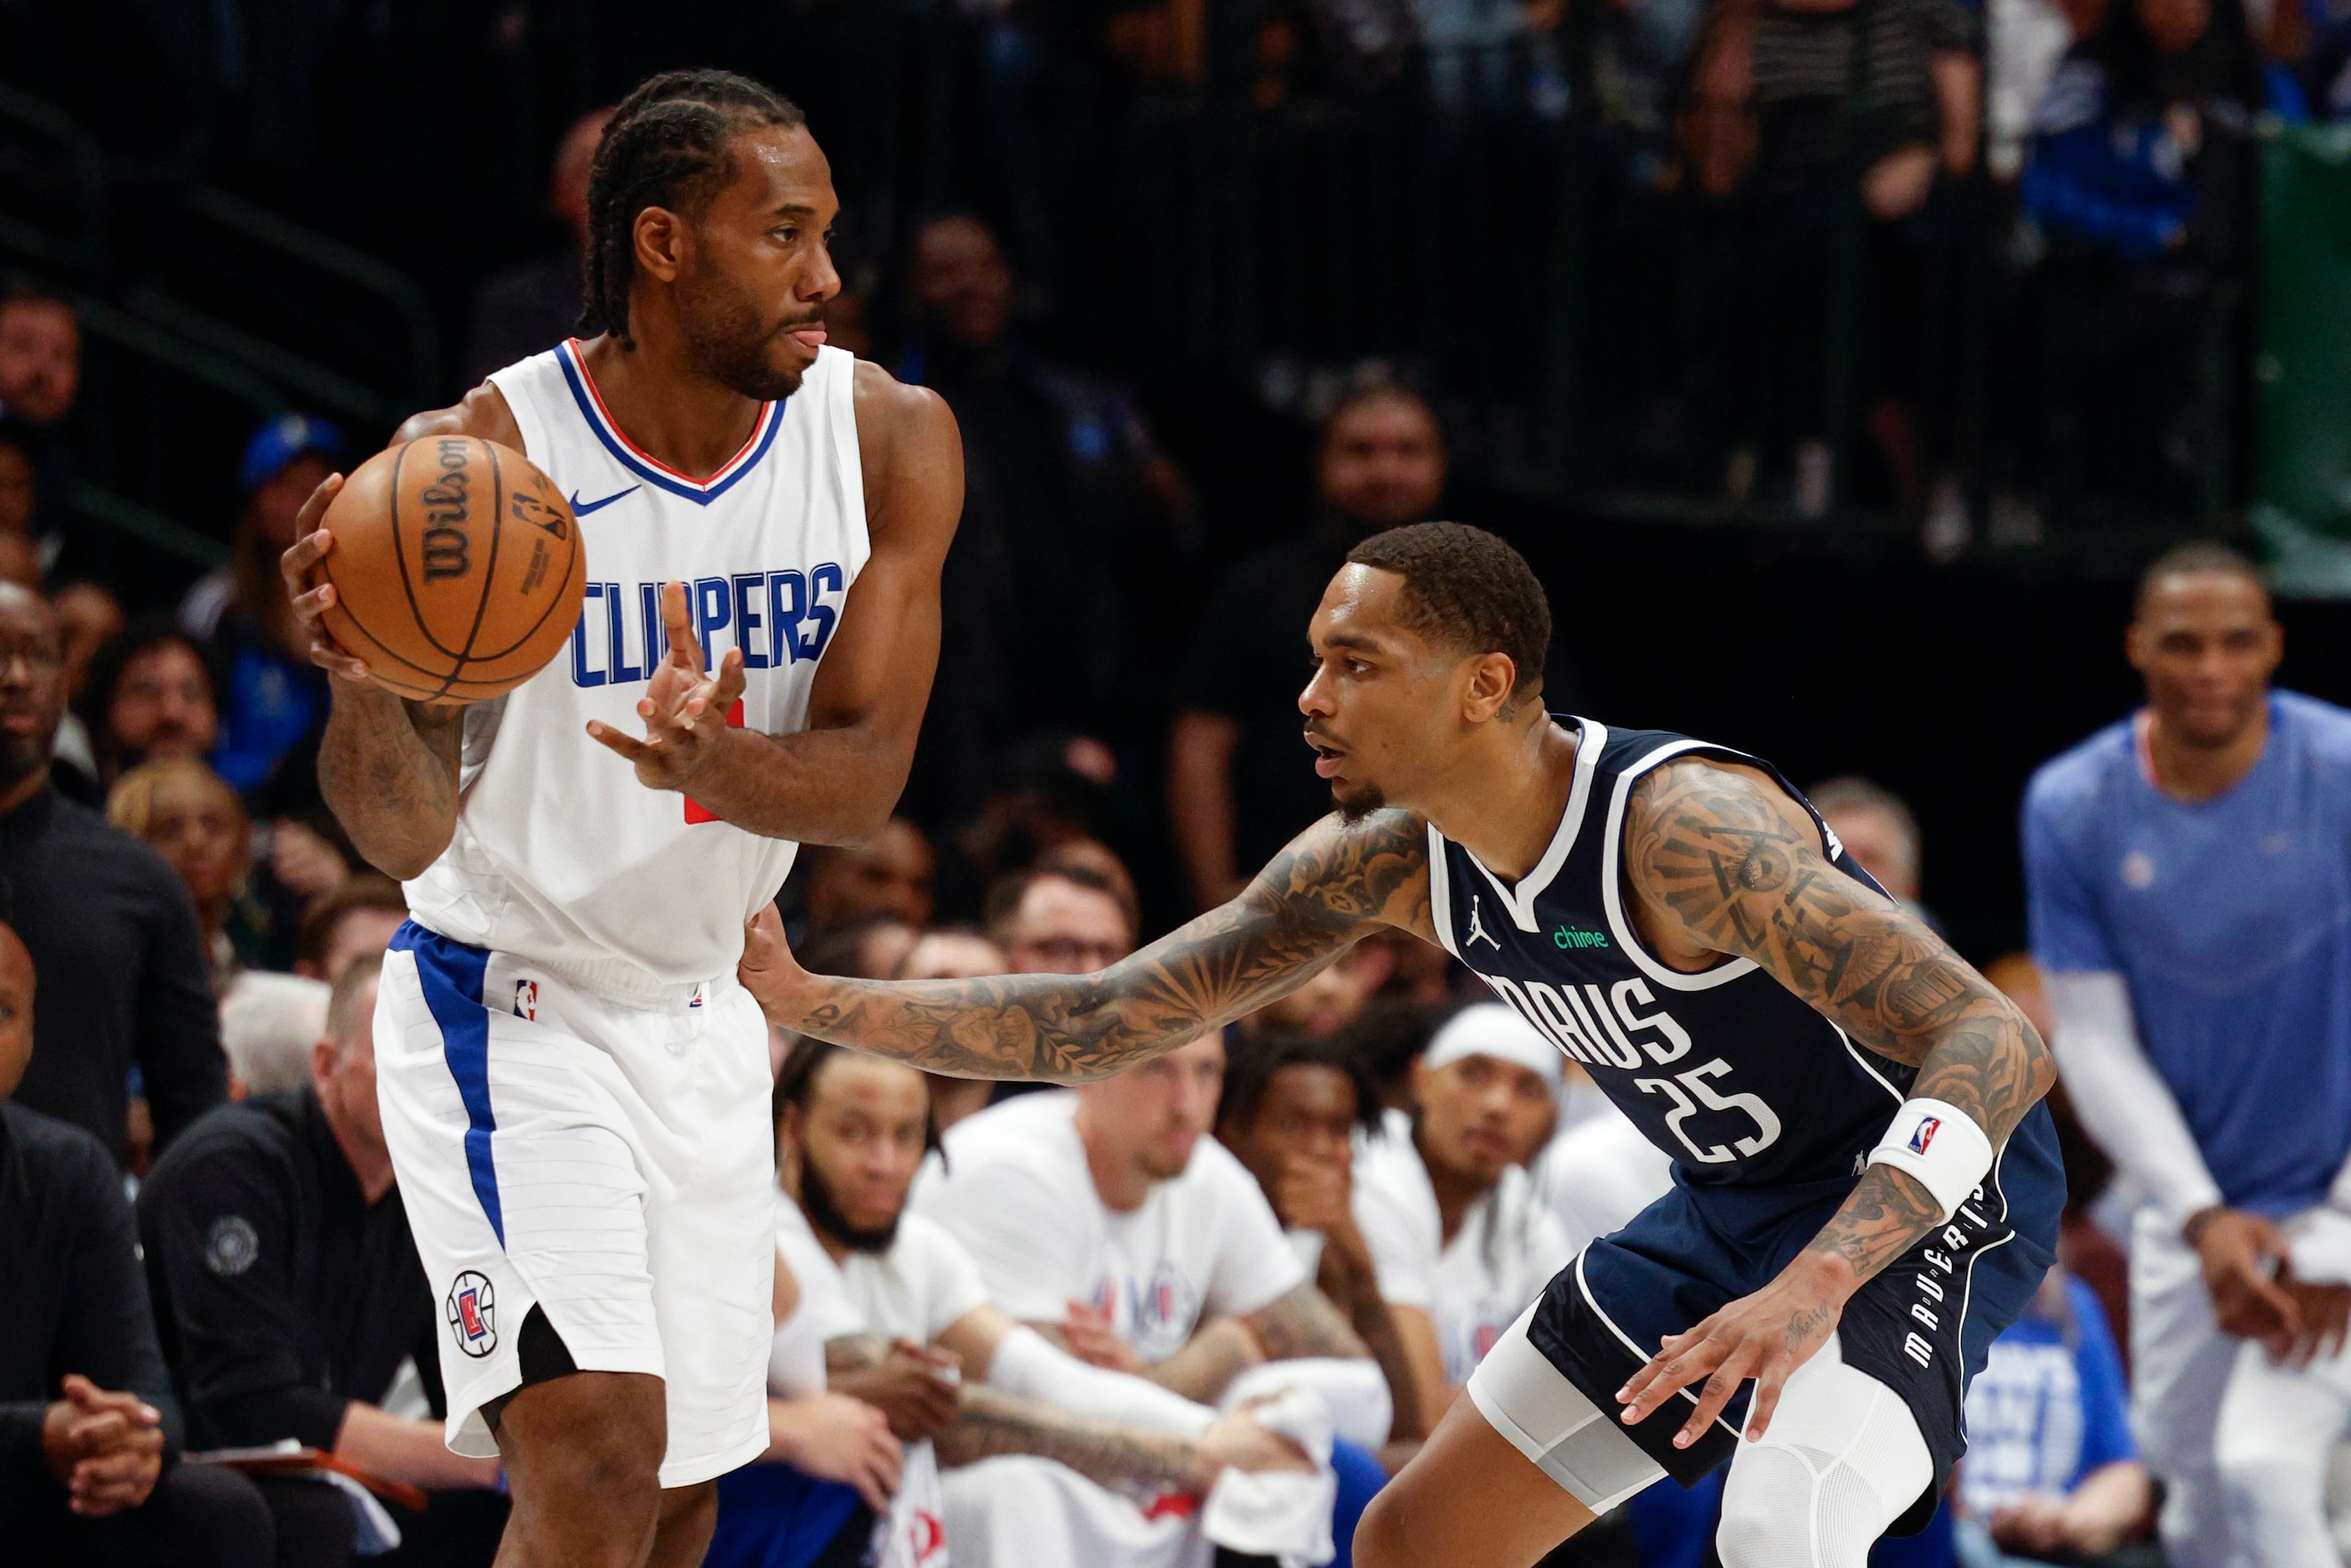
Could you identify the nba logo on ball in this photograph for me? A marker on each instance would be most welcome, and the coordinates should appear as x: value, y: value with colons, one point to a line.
x: 1925, y: 1134
x: 468, y: 1305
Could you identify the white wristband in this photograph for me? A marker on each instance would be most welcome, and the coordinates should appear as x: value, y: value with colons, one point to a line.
x: 1941, y: 1146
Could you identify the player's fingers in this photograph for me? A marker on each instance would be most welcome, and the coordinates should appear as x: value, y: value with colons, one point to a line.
x: 2279, y: 1299
x: 731, y: 680
x: 307, y: 520
x: 1770, y: 1381
x: 302, y: 557
x: 1679, y: 1360
x: 1733, y: 1370
x: 629, y: 746
x: 679, y: 623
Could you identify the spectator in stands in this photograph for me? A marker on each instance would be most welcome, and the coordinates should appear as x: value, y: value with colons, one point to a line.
x: 269, y: 1022
x: 2052, y: 1474
x: 292, y: 1306
x: 1101, y: 1218
x: 198, y: 826
x: 88, y: 618
x: 1062, y: 918
x: 1445, y: 1202
x: 954, y: 953
x: 535, y: 306
x: 89, y: 1429
x: 150, y: 693
x: 1239, y: 781
x: 1878, y: 829
x: 1907, y: 118
x: 20, y: 491
x: 870, y: 947
x: 40, y: 378
x: 113, y: 935
x: 893, y: 874
x: 352, y: 921
x: 2137, y: 111
x: 275, y: 698
x: 40, y: 357
x: 911, y: 1331
x: 1332, y: 997
x: 1068, y: 502
x: 1290, y: 1112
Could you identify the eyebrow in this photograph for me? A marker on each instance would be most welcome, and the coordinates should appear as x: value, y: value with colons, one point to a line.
x: 795, y: 209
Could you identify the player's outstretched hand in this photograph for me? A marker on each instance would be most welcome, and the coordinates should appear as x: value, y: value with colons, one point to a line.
x: 1765, y: 1336
x: 306, y: 585
x: 769, y: 971
x: 684, y: 707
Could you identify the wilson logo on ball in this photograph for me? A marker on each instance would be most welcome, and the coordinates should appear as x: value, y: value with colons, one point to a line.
x: 448, y: 551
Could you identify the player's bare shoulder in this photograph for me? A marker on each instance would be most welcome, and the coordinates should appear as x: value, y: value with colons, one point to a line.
x: 483, y: 412
x: 912, y: 456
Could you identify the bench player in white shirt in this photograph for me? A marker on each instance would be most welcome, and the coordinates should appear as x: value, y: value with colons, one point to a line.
x: 574, y: 1086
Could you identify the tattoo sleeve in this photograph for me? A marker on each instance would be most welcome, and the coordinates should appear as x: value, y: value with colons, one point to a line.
x: 388, y: 769
x: 993, y: 1423
x: 1302, y: 1322
x: 1218, y: 1350
x: 1723, y: 859
x: 1320, y: 895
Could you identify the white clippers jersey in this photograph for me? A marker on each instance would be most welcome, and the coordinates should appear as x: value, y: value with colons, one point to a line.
x: 561, y: 854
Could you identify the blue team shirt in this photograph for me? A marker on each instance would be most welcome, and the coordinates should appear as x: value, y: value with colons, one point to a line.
x: 2230, y: 921
x: 2050, y: 1406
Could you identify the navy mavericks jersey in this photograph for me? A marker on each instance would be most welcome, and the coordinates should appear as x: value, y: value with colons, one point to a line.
x: 1726, y: 1070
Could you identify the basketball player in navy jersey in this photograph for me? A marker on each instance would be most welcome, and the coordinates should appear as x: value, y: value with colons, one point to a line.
x: 1866, y: 1188
x: 574, y: 1084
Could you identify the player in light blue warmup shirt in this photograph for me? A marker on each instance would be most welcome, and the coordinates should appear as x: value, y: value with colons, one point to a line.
x: 2189, y: 874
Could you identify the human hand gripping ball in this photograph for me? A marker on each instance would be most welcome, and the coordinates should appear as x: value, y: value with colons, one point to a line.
x: 684, y: 708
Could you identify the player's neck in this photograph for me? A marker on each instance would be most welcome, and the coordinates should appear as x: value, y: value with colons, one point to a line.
x: 1456, y: 1195
x: 1503, y: 802
x: 2187, y: 771
x: 1119, y: 1180
x: 679, y: 415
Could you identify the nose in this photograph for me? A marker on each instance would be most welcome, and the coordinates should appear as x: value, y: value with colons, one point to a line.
x: 1314, y: 700
x: 823, y: 279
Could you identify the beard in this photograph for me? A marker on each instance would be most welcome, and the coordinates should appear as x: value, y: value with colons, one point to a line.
x: 1359, y: 802
x: 825, y: 1218
x: 725, y: 341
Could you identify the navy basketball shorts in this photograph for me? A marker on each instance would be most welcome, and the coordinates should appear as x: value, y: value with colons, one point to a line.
x: 1922, y: 1326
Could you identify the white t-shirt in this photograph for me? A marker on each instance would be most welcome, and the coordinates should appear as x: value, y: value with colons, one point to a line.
x: 1594, y: 1177
x: 1015, y: 1189
x: 1507, y: 1250
x: 915, y: 1290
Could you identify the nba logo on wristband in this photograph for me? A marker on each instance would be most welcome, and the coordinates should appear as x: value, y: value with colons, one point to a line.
x: 1924, y: 1133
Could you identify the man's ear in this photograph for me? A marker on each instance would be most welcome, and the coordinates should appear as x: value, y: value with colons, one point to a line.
x: 1492, y: 679
x: 663, y: 239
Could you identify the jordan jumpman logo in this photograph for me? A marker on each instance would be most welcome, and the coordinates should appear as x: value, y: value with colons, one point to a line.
x: 1477, y: 924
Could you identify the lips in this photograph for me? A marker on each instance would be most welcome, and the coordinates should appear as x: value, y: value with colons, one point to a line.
x: 1328, y: 758
x: 809, y: 338
x: 19, y: 723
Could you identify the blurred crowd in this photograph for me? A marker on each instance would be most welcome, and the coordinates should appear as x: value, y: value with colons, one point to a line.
x: 1015, y: 1326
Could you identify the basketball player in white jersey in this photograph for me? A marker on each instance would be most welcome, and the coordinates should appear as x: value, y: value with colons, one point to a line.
x: 574, y: 1084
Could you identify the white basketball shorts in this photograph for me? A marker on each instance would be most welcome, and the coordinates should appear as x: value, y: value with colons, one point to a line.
x: 607, y: 1161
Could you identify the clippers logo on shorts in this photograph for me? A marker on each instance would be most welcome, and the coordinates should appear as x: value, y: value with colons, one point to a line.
x: 469, y: 1304
x: 526, y: 999
x: 1924, y: 1133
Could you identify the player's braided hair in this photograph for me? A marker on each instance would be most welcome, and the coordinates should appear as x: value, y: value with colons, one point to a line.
x: 1466, y: 588
x: 666, y: 146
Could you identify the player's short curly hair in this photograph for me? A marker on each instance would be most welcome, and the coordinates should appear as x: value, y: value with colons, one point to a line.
x: 665, y: 146
x: 1467, y: 588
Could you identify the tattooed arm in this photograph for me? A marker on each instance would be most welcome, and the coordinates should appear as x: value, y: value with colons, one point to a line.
x: 1334, y: 883
x: 1719, y: 861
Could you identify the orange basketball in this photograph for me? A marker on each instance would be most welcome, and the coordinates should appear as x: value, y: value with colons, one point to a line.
x: 458, y: 568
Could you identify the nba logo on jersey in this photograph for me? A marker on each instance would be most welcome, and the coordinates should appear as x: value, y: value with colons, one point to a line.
x: 1924, y: 1133
x: 526, y: 999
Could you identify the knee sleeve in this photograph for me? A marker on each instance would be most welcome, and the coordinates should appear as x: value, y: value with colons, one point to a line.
x: 1843, y: 1459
